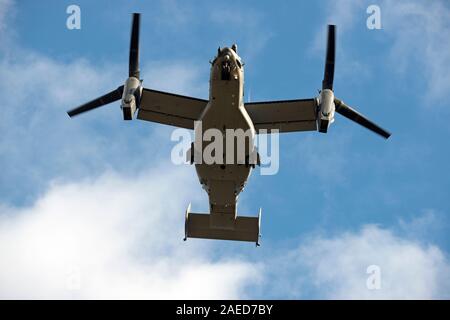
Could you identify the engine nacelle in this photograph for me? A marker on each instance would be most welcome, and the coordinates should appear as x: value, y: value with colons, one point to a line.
x: 131, y: 97
x: 326, y: 110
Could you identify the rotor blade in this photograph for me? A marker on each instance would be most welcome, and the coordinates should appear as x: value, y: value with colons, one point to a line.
x: 328, y: 75
x: 354, y: 115
x: 101, y: 101
x: 134, y: 47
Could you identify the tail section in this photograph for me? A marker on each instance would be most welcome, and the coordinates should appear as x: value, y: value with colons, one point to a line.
x: 216, y: 226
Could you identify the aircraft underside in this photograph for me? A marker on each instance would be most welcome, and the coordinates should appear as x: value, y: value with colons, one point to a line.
x: 225, y: 109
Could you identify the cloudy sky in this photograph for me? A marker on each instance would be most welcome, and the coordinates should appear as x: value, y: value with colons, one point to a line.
x: 84, y: 210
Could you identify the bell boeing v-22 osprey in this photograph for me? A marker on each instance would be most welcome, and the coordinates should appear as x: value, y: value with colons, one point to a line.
x: 226, y: 109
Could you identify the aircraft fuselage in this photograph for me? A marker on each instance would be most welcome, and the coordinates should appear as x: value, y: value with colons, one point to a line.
x: 224, y: 181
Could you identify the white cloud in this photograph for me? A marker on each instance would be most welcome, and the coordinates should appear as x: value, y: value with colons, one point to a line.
x: 178, y: 77
x: 114, y: 231
x: 343, y: 14
x: 39, y: 141
x: 5, y: 10
x: 120, y: 237
x: 115, y: 237
x: 335, y: 267
x: 418, y: 32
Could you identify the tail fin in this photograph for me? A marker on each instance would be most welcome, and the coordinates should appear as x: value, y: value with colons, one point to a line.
x: 200, y: 225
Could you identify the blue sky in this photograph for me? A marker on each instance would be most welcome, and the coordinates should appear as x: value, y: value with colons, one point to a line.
x: 348, y: 190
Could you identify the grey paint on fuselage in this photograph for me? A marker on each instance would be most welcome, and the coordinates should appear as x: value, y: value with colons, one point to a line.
x: 225, y: 110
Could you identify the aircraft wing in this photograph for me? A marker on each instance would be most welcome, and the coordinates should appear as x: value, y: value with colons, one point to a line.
x: 171, y: 109
x: 284, y: 115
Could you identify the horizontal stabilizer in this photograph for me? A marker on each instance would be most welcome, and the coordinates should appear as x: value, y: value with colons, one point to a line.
x: 199, y: 225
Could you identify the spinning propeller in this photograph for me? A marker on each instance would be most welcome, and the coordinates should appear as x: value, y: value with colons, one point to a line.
x: 328, y: 103
x: 131, y: 92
